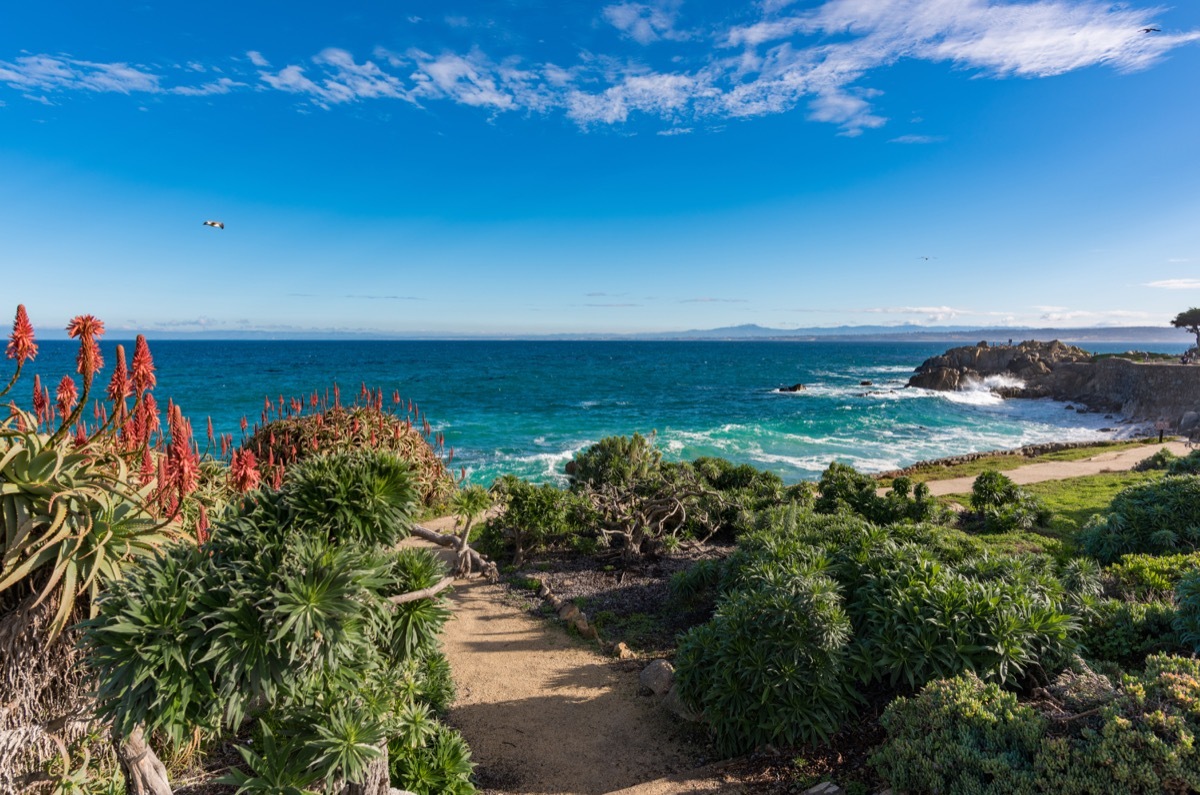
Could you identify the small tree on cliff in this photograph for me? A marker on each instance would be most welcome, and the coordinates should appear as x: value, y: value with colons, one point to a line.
x: 1189, y: 321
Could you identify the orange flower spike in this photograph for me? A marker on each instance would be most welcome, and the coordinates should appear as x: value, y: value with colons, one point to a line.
x: 143, y: 377
x: 212, y: 439
x: 86, y: 328
x: 245, y: 423
x: 41, y: 399
x: 81, y: 436
x: 202, y: 533
x: 21, y: 345
x: 66, y: 395
x: 119, y: 386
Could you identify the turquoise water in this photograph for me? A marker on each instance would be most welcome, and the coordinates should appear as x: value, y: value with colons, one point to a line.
x: 527, y: 407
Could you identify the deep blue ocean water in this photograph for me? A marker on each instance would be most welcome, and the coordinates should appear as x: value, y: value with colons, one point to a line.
x: 528, y: 407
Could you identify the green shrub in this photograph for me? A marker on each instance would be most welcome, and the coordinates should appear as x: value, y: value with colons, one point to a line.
x: 967, y: 737
x: 1161, y: 516
x: 1160, y: 460
x: 921, y: 601
x: 615, y: 461
x: 780, y: 650
x: 284, y: 617
x: 1152, y: 576
x: 1187, y: 605
x: 535, y: 518
x: 1125, y: 632
x: 960, y: 735
x: 843, y: 488
x: 998, y: 505
x: 1187, y: 465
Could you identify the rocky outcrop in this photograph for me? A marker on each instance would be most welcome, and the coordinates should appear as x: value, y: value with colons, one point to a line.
x: 1140, y: 391
x: 960, y: 368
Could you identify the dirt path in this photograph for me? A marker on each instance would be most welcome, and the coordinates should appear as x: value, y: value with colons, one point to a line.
x: 1061, y: 470
x: 545, y: 712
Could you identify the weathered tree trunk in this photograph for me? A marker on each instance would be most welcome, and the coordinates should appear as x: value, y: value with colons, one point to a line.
x: 477, y: 561
x: 144, y: 772
x: 376, y: 781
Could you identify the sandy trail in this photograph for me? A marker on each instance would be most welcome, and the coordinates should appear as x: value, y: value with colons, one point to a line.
x: 545, y: 712
x: 1061, y: 470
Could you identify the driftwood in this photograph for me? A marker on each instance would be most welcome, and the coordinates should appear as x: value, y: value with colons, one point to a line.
x: 468, y: 559
x: 424, y: 593
x: 145, y: 774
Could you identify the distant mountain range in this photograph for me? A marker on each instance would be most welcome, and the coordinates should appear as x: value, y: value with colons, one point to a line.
x: 749, y: 331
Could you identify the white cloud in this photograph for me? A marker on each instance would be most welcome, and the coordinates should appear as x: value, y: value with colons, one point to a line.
x: 917, y: 139
x: 222, y: 86
x: 60, y: 73
x: 929, y: 313
x: 815, y: 55
x: 675, y: 131
x: 1176, y: 284
x: 645, y: 23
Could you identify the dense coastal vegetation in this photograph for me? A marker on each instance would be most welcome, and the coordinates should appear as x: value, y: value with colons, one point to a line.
x: 168, y: 603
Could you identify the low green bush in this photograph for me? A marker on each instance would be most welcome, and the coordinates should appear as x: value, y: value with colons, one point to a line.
x: 535, y: 518
x: 1161, y: 516
x: 771, y: 667
x: 843, y: 488
x: 922, y: 602
x: 965, y: 736
x: 1172, y: 464
x: 1187, y: 606
x: 998, y: 505
x: 1144, y: 577
x: 1125, y: 632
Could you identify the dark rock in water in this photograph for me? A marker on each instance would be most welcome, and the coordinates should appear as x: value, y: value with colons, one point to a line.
x: 865, y: 383
x: 1069, y: 407
x: 793, y: 388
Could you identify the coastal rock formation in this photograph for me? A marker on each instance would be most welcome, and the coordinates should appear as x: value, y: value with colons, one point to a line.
x: 1140, y: 391
x: 793, y: 388
x: 959, y: 368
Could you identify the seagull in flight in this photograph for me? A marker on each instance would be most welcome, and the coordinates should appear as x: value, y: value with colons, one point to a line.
x: 215, y: 224
x: 1151, y: 30
x: 927, y: 258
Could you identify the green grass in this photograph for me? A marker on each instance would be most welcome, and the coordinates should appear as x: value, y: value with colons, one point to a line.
x: 1002, y: 463
x: 1072, y: 501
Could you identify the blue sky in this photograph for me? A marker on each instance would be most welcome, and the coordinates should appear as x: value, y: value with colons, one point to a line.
x: 529, y: 167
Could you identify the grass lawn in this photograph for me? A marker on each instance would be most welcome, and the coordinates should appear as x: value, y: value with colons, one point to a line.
x: 1072, y: 501
x: 1000, y: 462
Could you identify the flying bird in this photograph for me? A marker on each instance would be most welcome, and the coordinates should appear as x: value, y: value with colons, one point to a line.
x: 1151, y: 30
x: 927, y: 258
x: 215, y: 224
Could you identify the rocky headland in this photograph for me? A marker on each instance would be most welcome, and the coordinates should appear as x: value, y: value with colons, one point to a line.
x: 1159, y: 391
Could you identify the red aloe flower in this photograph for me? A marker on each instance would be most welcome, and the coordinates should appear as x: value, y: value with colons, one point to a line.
x: 80, y: 435
x: 66, y: 395
x: 211, y: 437
x: 245, y: 423
x: 41, y: 400
x: 202, y: 533
x: 183, y: 462
x: 150, y: 422
x: 147, y: 472
x: 20, y: 344
x: 86, y: 328
x: 143, y: 366
x: 119, y: 387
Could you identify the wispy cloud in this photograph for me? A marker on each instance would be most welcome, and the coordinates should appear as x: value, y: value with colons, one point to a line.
x: 61, y: 73
x: 930, y: 313
x: 714, y: 301
x: 917, y: 139
x: 385, y: 297
x: 819, y: 57
x: 645, y: 23
x: 605, y: 305
x: 1176, y: 284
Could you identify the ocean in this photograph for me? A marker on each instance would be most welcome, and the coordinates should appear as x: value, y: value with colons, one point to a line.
x: 527, y: 407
